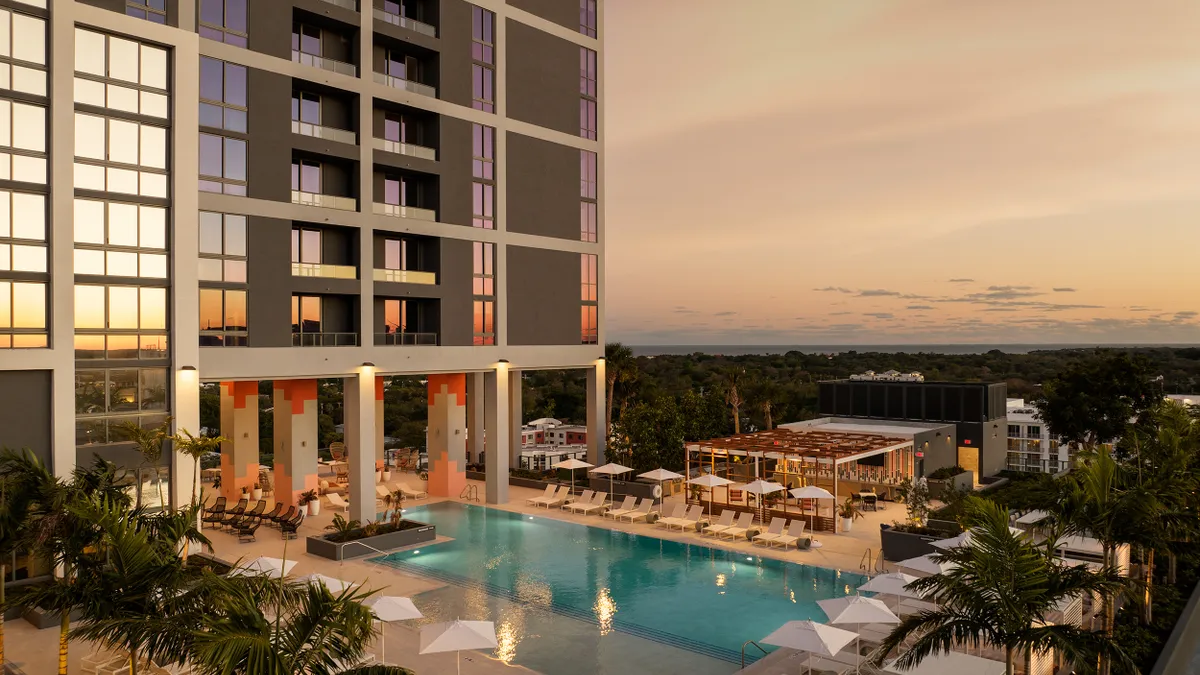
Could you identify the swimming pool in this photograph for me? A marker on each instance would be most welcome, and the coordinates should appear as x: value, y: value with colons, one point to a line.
x: 700, y: 599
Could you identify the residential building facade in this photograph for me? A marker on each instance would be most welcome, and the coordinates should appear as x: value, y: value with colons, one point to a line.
x: 244, y: 190
x: 1031, y: 447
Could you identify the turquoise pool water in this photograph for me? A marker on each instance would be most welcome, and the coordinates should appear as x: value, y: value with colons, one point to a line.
x: 700, y: 599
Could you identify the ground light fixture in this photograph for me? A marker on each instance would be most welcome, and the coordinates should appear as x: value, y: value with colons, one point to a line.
x: 189, y: 368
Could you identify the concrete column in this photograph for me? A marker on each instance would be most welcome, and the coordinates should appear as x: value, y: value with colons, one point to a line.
x: 475, y: 406
x: 239, y: 423
x: 496, y: 419
x: 516, y: 417
x: 597, y: 439
x: 295, y: 417
x: 359, y: 418
x: 184, y: 472
x: 446, y: 438
x: 378, y: 423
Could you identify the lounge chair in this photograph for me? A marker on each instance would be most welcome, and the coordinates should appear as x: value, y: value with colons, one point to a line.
x: 743, y: 525
x: 336, y: 501
x: 246, y: 529
x: 408, y: 492
x: 724, y: 522
x: 215, y: 515
x: 579, y: 506
x: 776, y: 529
x: 381, y: 492
x: 239, y: 509
x: 630, y: 504
x: 597, y: 506
x: 284, y: 517
x: 690, y: 521
x: 270, y: 515
x: 289, y: 527
x: 642, y: 512
x: 585, y: 498
x: 217, y: 506
x: 795, y: 532
x: 676, y: 513
x: 544, y: 497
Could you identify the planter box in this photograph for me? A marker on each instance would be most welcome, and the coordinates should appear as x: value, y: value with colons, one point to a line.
x: 357, y: 548
x: 962, y: 481
x: 904, y: 545
x: 41, y: 618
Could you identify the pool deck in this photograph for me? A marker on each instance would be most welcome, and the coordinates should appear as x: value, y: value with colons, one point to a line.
x: 36, y: 650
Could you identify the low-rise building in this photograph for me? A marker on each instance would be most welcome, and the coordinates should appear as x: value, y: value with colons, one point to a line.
x: 1031, y: 447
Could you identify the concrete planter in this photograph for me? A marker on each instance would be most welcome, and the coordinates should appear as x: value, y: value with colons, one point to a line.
x: 962, y: 481
x: 43, y: 618
x: 420, y: 533
x: 904, y: 545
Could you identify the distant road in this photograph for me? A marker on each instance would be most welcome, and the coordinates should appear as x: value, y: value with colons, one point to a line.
x: 741, y: 350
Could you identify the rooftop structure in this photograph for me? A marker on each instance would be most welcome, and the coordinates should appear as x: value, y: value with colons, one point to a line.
x: 888, y: 376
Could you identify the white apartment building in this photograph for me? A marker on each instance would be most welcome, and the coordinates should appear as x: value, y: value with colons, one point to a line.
x: 1030, y: 446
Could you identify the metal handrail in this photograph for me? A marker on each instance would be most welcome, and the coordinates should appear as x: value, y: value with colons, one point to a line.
x: 410, y: 149
x: 406, y: 339
x: 324, y: 270
x: 470, y: 493
x: 750, y: 642
x: 324, y: 63
x: 327, y: 133
x: 405, y: 22
x: 406, y: 276
x: 325, y: 339
x: 867, y: 561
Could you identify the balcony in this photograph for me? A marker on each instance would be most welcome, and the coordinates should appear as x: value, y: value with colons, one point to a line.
x: 407, y: 85
x: 324, y: 271
x: 324, y: 339
x: 327, y: 133
x: 405, y: 22
x: 398, y: 211
x: 324, y: 64
x: 325, y: 201
x: 405, y: 149
x: 407, y: 339
x: 407, y: 277
x: 345, y: 4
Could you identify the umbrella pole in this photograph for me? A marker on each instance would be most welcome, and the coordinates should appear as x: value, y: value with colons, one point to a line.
x: 458, y: 662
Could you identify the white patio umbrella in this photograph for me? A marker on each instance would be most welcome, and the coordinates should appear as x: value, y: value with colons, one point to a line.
x: 857, y: 610
x: 925, y: 565
x: 611, y: 469
x: 760, y: 488
x: 811, y: 492
x: 272, y: 567
x: 455, y: 636
x: 892, y: 583
x: 660, y: 474
x: 571, y: 465
x: 812, y: 637
x: 389, y: 608
x: 709, y: 481
x: 950, y: 662
x: 964, y: 539
x: 334, y: 585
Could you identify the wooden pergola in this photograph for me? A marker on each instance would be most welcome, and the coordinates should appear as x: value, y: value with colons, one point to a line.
x: 838, y: 461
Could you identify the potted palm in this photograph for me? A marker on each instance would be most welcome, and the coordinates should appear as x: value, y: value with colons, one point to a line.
x: 387, y: 474
x: 848, y: 513
x: 310, y: 501
x: 257, y: 492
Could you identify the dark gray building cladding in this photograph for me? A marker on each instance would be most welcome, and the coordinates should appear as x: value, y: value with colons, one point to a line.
x: 977, y: 409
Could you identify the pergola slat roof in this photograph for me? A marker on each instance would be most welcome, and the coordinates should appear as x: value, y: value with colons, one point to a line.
x: 837, y: 446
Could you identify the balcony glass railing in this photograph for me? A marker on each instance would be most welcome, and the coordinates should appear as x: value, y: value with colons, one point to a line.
x: 324, y: 339
x: 324, y: 63
x: 326, y: 201
x: 407, y: 339
x: 324, y: 271
x: 328, y: 133
x: 407, y: 85
x: 406, y: 149
x: 346, y: 4
x: 398, y: 211
x: 406, y: 277
x: 405, y: 22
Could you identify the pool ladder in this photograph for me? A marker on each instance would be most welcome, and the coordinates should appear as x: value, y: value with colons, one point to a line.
x: 869, y: 564
x: 750, y: 642
x: 469, y: 493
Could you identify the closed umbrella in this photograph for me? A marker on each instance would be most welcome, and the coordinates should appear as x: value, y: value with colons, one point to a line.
x: 272, y: 567
x: 812, y: 637
x: 762, y: 487
x: 660, y: 474
x: 709, y: 481
x: 611, y: 469
x: 811, y: 492
x: 457, y: 635
x: 571, y: 465
x: 333, y: 585
x: 389, y: 608
x: 857, y: 610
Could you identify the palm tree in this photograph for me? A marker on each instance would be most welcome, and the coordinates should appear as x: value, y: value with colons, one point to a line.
x: 999, y: 593
x: 149, y: 442
x: 733, y: 396
x: 312, y: 632
x: 196, y: 447
x: 619, y: 367
x: 14, y: 510
x: 764, y: 392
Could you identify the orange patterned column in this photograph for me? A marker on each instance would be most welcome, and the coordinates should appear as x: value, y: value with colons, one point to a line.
x: 239, y: 423
x: 378, y: 423
x: 446, y: 437
x: 295, y: 438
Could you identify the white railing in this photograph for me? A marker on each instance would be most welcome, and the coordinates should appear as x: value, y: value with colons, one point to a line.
x: 406, y: 149
x: 348, y: 4
x: 405, y: 22
x: 407, y: 85
x: 324, y: 271
x: 398, y: 211
x: 328, y: 133
x: 406, y: 277
x: 326, y: 201
x: 324, y: 63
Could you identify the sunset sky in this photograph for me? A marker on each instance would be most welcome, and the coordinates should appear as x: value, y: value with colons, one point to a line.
x: 915, y: 171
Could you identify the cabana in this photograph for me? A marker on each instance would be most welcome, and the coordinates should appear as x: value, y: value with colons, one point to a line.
x: 843, y: 463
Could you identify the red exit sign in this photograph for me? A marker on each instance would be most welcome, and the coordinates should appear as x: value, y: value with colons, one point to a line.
x: 966, y: 441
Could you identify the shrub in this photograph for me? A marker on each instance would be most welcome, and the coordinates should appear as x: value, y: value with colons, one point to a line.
x: 946, y: 472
